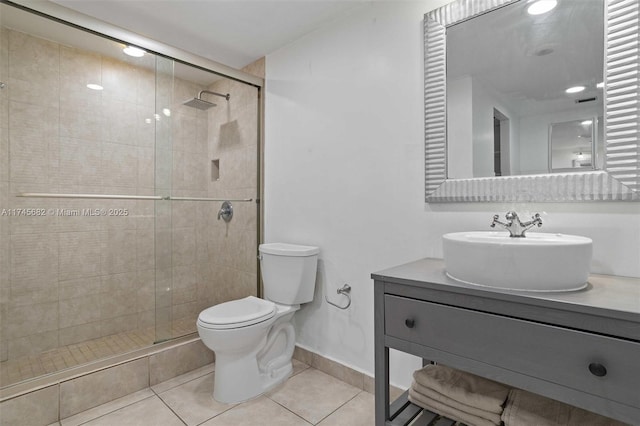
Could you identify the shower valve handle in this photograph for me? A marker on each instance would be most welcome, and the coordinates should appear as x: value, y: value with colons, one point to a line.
x: 226, y: 211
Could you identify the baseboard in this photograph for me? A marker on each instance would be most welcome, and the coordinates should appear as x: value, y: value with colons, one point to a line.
x: 340, y: 371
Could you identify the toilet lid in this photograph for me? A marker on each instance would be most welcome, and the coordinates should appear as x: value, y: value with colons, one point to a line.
x: 238, y: 313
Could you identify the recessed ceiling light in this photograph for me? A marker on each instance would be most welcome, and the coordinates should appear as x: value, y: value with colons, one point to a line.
x: 541, y: 6
x: 94, y: 86
x: 600, y: 85
x: 166, y: 112
x: 133, y: 51
x: 575, y: 89
x: 587, y: 122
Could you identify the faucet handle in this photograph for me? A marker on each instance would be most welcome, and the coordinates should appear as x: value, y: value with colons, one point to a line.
x: 496, y: 221
x: 535, y: 220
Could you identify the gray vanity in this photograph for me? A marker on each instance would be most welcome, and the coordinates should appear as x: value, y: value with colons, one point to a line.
x: 581, y: 348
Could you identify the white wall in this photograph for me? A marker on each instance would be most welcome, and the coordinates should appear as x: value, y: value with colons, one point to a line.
x: 484, y: 100
x: 470, y: 130
x: 344, y: 171
x: 460, y: 151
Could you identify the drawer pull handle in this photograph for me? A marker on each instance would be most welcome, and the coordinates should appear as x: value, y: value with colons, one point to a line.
x: 597, y: 369
x: 409, y: 322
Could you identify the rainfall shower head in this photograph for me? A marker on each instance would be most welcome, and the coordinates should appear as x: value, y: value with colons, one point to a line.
x: 200, y: 103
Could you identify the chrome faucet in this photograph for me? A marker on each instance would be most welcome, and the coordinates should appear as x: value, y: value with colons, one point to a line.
x: 515, y: 227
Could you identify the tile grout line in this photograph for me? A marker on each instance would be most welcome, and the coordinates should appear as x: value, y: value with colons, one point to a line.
x: 179, y: 384
x: 171, y: 409
x: 110, y: 412
x: 292, y: 412
x: 342, y: 405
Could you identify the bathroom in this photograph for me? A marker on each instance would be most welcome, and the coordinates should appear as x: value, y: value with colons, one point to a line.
x: 344, y: 170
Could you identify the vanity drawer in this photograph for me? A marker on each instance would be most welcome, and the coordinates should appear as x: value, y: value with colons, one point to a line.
x: 595, y: 364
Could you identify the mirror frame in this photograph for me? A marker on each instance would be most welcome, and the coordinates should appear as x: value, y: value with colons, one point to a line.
x: 620, y: 179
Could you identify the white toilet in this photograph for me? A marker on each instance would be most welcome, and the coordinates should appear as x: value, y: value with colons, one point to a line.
x: 253, y: 338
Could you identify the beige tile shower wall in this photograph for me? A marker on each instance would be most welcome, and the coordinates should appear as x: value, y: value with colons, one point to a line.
x: 212, y: 261
x: 231, y: 264
x: 187, y: 224
x: 66, y: 277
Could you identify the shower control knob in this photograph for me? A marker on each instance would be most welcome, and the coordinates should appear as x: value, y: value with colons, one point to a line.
x: 226, y: 211
x: 409, y: 322
x: 597, y: 369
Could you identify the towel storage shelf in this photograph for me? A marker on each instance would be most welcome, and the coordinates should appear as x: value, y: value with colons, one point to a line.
x: 403, y: 413
x: 580, y: 348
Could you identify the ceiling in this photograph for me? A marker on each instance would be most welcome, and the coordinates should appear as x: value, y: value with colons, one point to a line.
x: 232, y: 32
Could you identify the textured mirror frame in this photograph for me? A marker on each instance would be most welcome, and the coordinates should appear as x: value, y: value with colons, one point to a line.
x: 620, y: 181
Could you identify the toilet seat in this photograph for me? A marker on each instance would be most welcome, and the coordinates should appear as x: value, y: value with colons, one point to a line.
x: 237, y: 313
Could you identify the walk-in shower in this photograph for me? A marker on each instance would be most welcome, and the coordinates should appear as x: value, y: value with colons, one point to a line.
x: 109, y: 240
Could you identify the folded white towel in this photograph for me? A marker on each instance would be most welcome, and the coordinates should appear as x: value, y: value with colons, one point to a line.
x: 443, y: 399
x: 447, y: 411
x: 525, y: 409
x: 464, y: 387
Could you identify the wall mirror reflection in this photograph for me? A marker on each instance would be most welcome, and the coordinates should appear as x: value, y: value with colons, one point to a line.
x: 572, y: 145
x: 511, y: 76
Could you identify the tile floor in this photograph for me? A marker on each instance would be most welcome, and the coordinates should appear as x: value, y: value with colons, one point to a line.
x: 309, y: 397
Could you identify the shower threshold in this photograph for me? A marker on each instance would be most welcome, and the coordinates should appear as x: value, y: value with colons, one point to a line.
x: 29, y: 367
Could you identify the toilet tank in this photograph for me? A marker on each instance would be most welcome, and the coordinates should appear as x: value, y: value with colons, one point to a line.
x: 288, y: 272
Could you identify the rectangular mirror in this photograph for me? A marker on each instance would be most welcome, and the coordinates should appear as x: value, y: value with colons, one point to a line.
x: 573, y: 145
x: 504, y: 89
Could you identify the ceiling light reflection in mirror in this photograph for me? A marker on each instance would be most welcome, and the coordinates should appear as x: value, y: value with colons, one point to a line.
x: 539, y: 7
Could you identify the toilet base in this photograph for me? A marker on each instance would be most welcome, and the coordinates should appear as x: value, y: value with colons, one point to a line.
x: 240, y: 375
x: 239, y: 380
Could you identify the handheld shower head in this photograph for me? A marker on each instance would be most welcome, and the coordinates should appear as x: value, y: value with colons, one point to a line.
x: 200, y: 103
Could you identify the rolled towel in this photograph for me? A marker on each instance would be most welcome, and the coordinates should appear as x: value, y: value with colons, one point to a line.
x: 524, y: 409
x: 464, y: 387
x: 443, y: 399
x: 447, y: 411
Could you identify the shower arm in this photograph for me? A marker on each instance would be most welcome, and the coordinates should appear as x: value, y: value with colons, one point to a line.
x: 227, y: 96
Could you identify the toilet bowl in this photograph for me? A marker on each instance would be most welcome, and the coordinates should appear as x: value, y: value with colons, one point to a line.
x: 253, y: 338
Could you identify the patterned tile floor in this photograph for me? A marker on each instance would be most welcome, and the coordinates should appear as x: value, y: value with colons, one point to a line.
x: 309, y: 397
x: 28, y: 367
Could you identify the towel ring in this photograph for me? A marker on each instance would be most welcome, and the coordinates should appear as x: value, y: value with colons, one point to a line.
x: 344, y: 290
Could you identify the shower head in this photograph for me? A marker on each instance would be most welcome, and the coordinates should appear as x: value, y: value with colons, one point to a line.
x: 202, y: 104
x: 198, y: 103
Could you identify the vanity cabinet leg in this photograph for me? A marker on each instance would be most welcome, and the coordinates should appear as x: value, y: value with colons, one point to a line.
x: 381, y: 358
x: 382, y: 388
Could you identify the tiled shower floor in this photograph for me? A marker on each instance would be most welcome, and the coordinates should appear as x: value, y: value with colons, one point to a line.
x: 28, y: 367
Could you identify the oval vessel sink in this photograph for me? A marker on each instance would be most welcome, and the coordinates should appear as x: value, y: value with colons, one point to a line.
x: 537, y: 262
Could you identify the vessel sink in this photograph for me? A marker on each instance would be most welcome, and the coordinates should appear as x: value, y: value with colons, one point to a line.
x: 537, y: 262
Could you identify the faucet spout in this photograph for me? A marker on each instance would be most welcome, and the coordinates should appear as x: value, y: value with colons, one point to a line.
x: 515, y: 226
